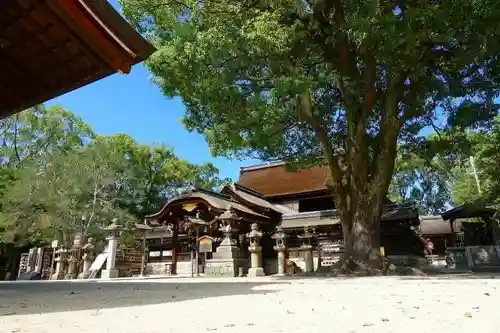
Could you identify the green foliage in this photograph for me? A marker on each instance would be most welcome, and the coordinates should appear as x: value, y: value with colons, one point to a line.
x: 59, y: 178
x: 484, y: 146
x: 424, y: 180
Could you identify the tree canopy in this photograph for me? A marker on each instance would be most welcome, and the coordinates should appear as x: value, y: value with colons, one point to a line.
x: 58, y: 177
x: 343, y: 83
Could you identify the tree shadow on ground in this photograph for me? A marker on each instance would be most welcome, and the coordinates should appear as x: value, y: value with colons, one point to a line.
x: 451, y: 276
x: 431, y: 276
x: 47, y: 297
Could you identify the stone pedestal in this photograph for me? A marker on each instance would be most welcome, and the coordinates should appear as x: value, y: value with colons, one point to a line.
x: 88, y: 258
x: 306, y: 249
x: 281, y: 259
x: 71, y: 269
x: 280, y: 247
x: 308, y: 257
x: 256, y: 261
x: 255, y: 251
x: 114, y: 232
x: 109, y: 274
x: 226, y: 260
x: 60, y: 264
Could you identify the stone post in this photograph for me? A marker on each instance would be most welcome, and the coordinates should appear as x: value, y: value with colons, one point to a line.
x: 255, y: 251
x: 306, y: 248
x: 280, y: 247
x: 73, y: 258
x: 113, y: 234
x: 60, y: 264
x: 88, y: 257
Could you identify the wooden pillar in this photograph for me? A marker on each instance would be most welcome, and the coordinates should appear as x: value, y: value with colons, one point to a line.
x: 453, y: 234
x: 175, y: 246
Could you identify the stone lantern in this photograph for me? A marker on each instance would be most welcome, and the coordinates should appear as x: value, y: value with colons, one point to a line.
x: 88, y: 257
x: 227, y: 225
x: 255, y: 251
x: 306, y: 248
x: 280, y: 236
x: 226, y: 261
x: 114, y: 230
x: 60, y: 260
x: 74, y: 253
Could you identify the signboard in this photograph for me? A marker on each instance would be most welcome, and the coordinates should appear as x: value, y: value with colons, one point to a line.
x: 154, y: 253
x: 458, y: 258
x: 55, y: 244
x: 484, y: 256
x: 205, y: 244
x: 330, y: 251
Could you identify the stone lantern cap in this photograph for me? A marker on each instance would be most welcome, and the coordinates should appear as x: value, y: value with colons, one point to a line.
x: 229, y: 215
x: 280, y: 234
x: 90, y: 244
x: 77, y: 242
x: 142, y: 227
x: 254, y: 232
x: 306, y: 235
x: 114, y: 226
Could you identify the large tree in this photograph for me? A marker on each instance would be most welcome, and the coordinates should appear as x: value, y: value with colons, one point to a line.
x: 334, y: 82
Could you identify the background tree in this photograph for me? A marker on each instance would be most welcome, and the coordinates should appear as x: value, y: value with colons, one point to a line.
x: 424, y: 176
x: 484, y: 146
x: 75, y: 181
x: 340, y: 83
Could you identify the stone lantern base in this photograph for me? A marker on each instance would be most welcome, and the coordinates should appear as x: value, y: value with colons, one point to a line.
x: 256, y: 271
x: 109, y: 274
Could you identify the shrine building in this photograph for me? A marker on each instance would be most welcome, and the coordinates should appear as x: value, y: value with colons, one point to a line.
x: 270, y: 213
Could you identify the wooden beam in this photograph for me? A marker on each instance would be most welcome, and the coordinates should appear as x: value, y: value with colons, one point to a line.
x: 110, y: 52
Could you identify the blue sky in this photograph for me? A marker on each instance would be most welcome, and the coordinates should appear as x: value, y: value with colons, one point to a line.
x: 131, y: 104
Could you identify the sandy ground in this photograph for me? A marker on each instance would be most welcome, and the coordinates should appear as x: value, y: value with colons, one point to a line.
x: 383, y: 304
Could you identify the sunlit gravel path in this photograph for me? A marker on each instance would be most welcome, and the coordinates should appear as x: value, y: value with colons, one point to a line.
x: 383, y: 304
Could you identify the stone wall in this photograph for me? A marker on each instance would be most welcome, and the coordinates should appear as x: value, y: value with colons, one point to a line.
x: 222, y: 267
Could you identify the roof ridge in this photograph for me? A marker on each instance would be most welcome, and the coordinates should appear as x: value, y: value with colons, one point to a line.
x: 261, y: 166
x: 248, y: 190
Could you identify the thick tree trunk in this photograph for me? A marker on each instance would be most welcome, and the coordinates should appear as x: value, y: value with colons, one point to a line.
x: 361, y: 231
x: 362, y: 238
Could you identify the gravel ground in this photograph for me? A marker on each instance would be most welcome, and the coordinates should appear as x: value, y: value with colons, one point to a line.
x: 381, y: 304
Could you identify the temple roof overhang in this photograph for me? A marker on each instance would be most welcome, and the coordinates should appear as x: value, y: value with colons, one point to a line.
x: 249, y: 197
x: 48, y: 48
x: 434, y: 225
x: 392, y: 212
x: 215, y: 201
x: 468, y: 211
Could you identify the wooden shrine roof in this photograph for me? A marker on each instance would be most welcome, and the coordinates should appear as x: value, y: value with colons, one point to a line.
x: 249, y: 197
x: 468, y: 211
x: 272, y: 180
x: 214, y: 200
x: 51, y: 47
x: 434, y: 225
